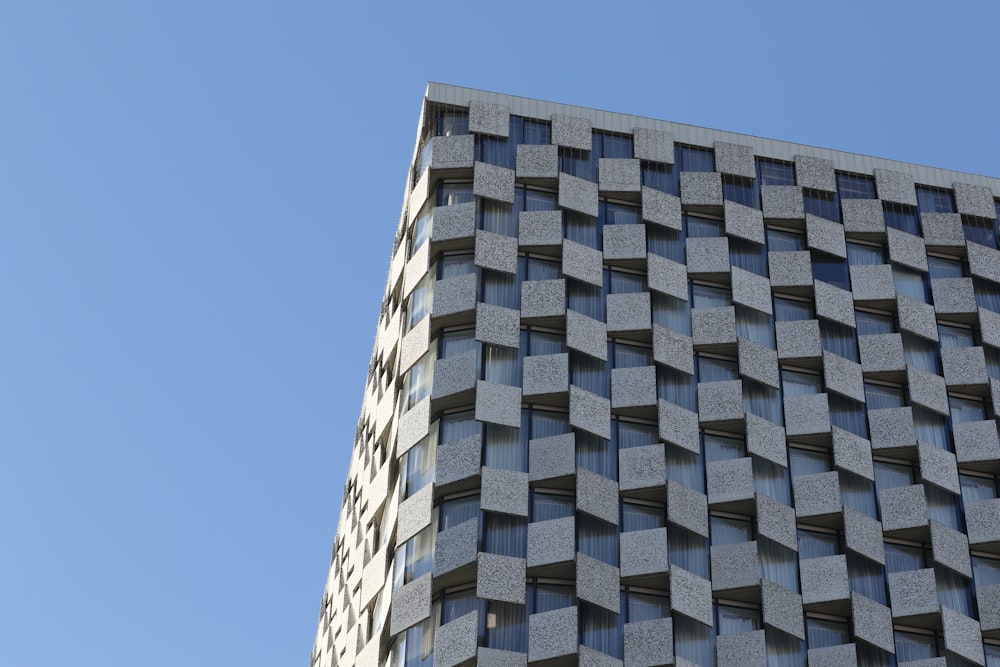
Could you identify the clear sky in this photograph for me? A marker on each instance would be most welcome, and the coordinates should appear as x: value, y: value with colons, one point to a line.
x: 197, y: 204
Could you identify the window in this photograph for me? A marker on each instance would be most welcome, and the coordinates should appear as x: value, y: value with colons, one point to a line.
x: 617, y: 214
x: 500, y: 289
x: 688, y: 550
x: 807, y: 460
x: 848, y: 414
x: 823, y: 632
x: 944, y: 267
x: 778, y: 564
x: 660, y: 177
x: 855, y: 186
x: 775, y: 172
x: 505, y: 535
x: 979, y: 230
x: 419, y: 303
x: 501, y: 365
x: 952, y: 336
x: 665, y: 242
x: 830, y: 269
x: 867, y: 578
x: 881, y: 396
x: 641, y: 515
x: 672, y: 313
x: 859, y: 254
x: 453, y: 122
x: 455, y: 510
x: 419, y: 379
x: 414, y: 648
x: 787, y: 309
x: 414, y: 558
x: 626, y: 433
x: 549, y: 505
x: 733, y: 620
x: 740, y: 190
x: 581, y: 229
x: 451, y: 266
x: 693, y: 158
x: 597, y: 539
x: 906, y: 556
x: 699, y: 227
x: 716, y: 369
x: 585, y: 299
x: 893, y: 474
x: 755, y: 326
x: 921, y: 353
x: 590, y: 373
x: 421, y: 228
x: 839, y: 339
x: 722, y: 448
x: 783, y: 240
x: 966, y: 409
x: 418, y: 467
x: 763, y: 401
x: 798, y: 383
x: 449, y: 194
x: 623, y: 282
x: 976, y: 487
x: 818, y: 543
x: 597, y: 455
x: 870, y: 323
x: 677, y: 387
x: 822, y: 204
x: 458, y: 425
x: 685, y: 467
x: 748, y: 256
x: 729, y: 529
x: 901, y: 217
x: 910, y: 283
x: 934, y: 200
x: 915, y: 646
x: 707, y: 296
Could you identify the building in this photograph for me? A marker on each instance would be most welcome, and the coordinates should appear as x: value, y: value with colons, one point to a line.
x: 645, y: 393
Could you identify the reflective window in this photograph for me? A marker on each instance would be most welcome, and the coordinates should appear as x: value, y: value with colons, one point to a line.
x: 874, y: 323
x: 942, y: 267
x: 781, y: 240
x: 934, y: 200
x: 692, y: 158
x: 855, y: 186
x: 821, y: 203
x: 775, y: 172
x: 901, y: 217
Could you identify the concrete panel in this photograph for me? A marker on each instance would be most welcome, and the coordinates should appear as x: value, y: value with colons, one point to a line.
x: 493, y: 182
x: 456, y: 547
x: 678, y: 426
x: 583, y: 263
x: 833, y: 303
x: 817, y: 495
x: 453, y: 296
x: 815, y: 173
x: 644, y: 552
x: 410, y: 604
x: 415, y: 514
x: 984, y: 262
x: 454, y: 222
x: 938, y: 467
x: 504, y: 491
x: 701, y: 188
x: 653, y: 145
x: 790, y: 269
x: 881, y: 353
x: 494, y: 657
x: 976, y: 441
x: 826, y: 235
x: 766, y: 440
x: 673, y: 349
x: 500, y: 578
x: 633, y: 387
x: 498, y: 325
x: 486, y: 118
x: 942, y: 230
x: 498, y: 404
x: 907, y: 249
x: 546, y: 375
x: 982, y: 522
x: 951, y: 548
x: 713, y: 326
x: 735, y: 566
x: 539, y: 229
x: 989, y: 327
x: 782, y: 609
x: 618, y: 175
x: 863, y: 535
x: 543, y: 299
x: 649, y: 643
x: 597, y: 583
x: 751, y: 290
x: 964, y: 366
x: 551, y: 457
x: 913, y: 593
x: 746, y: 649
x: 577, y: 194
x: 458, y: 460
x: 691, y: 595
x: 953, y: 296
x: 843, y: 376
x: 571, y: 132
x: 735, y: 159
x: 586, y: 335
x: 903, y: 507
x: 629, y: 312
x: 782, y: 202
x: 624, y: 242
x: 852, y: 453
x: 798, y: 339
x: 807, y: 415
x: 688, y: 508
x: 720, y: 401
x: 730, y: 481
x: 927, y: 390
x: 744, y: 222
x: 589, y: 412
x: 863, y: 216
x: 708, y: 255
x: 872, y: 622
x: 962, y: 636
x: 537, y: 161
x: 455, y: 375
x: 974, y: 200
x: 553, y: 634
x: 453, y: 152
x: 824, y: 579
x: 988, y: 598
x: 776, y: 522
x: 597, y: 495
x: 551, y: 542
x: 872, y: 283
x: 842, y: 655
x: 896, y: 187
x: 641, y: 467
x: 661, y: 208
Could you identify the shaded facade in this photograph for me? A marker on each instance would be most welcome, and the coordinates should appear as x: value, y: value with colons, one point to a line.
x: 649, y: 394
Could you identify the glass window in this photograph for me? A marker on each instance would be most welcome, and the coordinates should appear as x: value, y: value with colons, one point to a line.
x: 891, y: 475
x: 706, y: 296
x: 677, y: 387
x: 848, y: 414
x: 874, y: 323
x: 542, y: 342
x: 618, y: 214
x: 755, y: 326
x: 454, y: 511
x: 855, y: 186
x: 641, y: 516
x: 821, y: 633
x: 451, y: 266
x: 934, y: 200
x: 913, y: 646
x: 830, y: 269
x: 694, y: 641
x: 740, y: 190
x: 660, y: 177
x: 737, y: 620
x: 910, y: 283
x: 858, y: 493
x: 787, y: 310
x: 685, y: 467
x: 581, y: 229
x: 943, y: 507
x: 581, y: 163
x: 941, y: 267
x: 597, y: 539
x: 986, y: 570
x: 535, y: 200
x: 419, y: 380
x: 905, y: 557
x: 419, y: 304
x: 503, y: 447
x: 954, y: 336
x: 775, y: 172
x: 796, y: 383
x: 535, y: 131
x: 966, y: 409
x: 881, y: 396
x: 808, y: 461
x: 692, y: 158
x: 418, y: 466
x: 699, y: 227
x: 729, y: 530
x: 954, y: 590
x: 771, y: 480
x: 501, y: 289
x: 987, y: 295
x: 713, y: 369
x: 505, y: 535
x: 589, y: 373
x: 457, y: 604
x: 921, y: 353
x: 782, y: 240
x: 506, y: 626
x: 839, y: 339
x: 931, y: 427
x: 597, y: 455
x: 645, y: 606
x: 901, y: 217
x: 672, y: 313
x: 449, y: 194
x: 501, y: 365
x: 620, y: 282
x: 414, y: 558
x: 614, y: 145
x: 779, y: 564
x: 546, y: 506
x: 822, y: 204
x: 633, y: 434
x: 817, y: 544
x: 453, y: 122
x: 859, y: 254
x: 458, y: 425
x: 867, y: 578
x: 975, y: 487
x: 748, y: 256
x: 688, y: 550
x: 585, y: 299
x: 665, y: 242
x: 992, y: 655
x: 763, y: 401
x: 723, y: 448
x: 600, y: 630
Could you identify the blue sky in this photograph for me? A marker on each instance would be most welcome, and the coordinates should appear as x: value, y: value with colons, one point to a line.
x: 197, y: 203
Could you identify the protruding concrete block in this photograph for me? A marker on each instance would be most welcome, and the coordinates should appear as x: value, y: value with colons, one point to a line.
x: 744, y: 222
x: 624, y: 242
x: 953, y: 296
x: 782, y: 609
x: 843, y: 377
x: 790, y: 269
x: 734, y: 159
x: 927, y: 390
x: 817, y: 495
x: 951, y: 548
x: 863, y: 216
x: 410, y: 604
x: 551, y: 457
x: 551, y: 542
x: 653, y: 145
x: 453, y: 152
x: 486, y: 118
x: 917, y: 318
x: 543, y: 299
x: 577, y: 194
x: 807, y: 415
x: 546, y: 375
x: 504, y: 491
x: 842, y: 655
x: 700, y: 188
x: 456, y: 547
x: 913, y: 593
x: 667, y: 277
x: 730, y: 481
x: 746, y: 649
x: 597, y: 495
x: 415, y: 514
x: 964, y: 367
x: 852, y: 453
x: 644, y: 552
x: 882, y: 353
x: 629, y: 312
x: 720, y: 401
x: 798, y: 339
x: 589, y: 412
x: 938, y: 467
x: 976, y: 442
x: 586, y: 335
x: 455, y: 643
x: 500, y: 578
x: 618, y: 175
x: 454, y: 296
x: 962, y: 636
x: 709, y: 255
x: 907, y: 249
x: 583, y: 263
x: 540, y: 229
x: 454, y: 222
x: 735, y: 566
x: 895, y: 187
x: 863, y: 535
x: 982, y: 522
x: 649, y: 643
x: 641, y: 467
x: 758, y: 363
x: 553, y: 634
x: 455, y: 375
x: 661, y: 208
x: 673, y: 349
x: 713, y: 326
x: 766, y: 440
x: 824, y: 579
x: 493, y: 182
x: 571, y: 132
x: 691, y: 595
x: 537, y: 161
x: 903, y: 508
x: 815, y: 173
x: 872, y: 283
x: 678, y: 426
x: 984, y: 262
x: 498, y: 325
x: 891, y: 427
x: 975, y: 200
x: 597, y: 583
x: 688, y: 508
x: 826, y: 235
x: 833, y: 303
x: 872, y: 622
x: 751, y: 290
x: 942, y: 230
x: 782, y: 202
x: 776, y: 522
x: 498, y: 404
x: 458, y: 460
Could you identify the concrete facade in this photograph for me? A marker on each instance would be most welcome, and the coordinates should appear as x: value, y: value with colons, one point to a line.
x: 647, y: 394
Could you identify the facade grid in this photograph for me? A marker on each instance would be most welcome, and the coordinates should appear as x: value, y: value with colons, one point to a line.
x: 651, y: 394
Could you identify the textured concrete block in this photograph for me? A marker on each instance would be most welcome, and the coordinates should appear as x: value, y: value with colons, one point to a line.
x: 735, y: 159
x: 498, y: 404
x: 815, y: 173
x: 962, y: 636
x: 701, y: 188
x: 577, y: 194
x: 597, y: 495
x: 673, y: 350
x: 798, y: 339
x: 539, y: 229
x: 942, y: 230
x: 708, y: 255
x: 913, y: 592
x: 826, y: 235
x: 688, y: 508
x: 537, y: 161
x: 790, y: 269
x: 500, y: 578
x: 691, y: 595
x: 984, y: 262
x: 629, y: 312
x: 456, y: 642
x: 649, y: 643
x: 950, y: 548
x: 644, y: 552
x: 713, y: 326
x: 552, y: 634
x: 720, y: 401
x: 583, y: 263
x: 758, y: 363
x: 415, y: 514
x: 872, y: 622
x: 597, y: 583
x: 766, y: 440
x: 551, y: 542
x: 504, y: 491
x: 618, y: 175
x: 730, y: 481
x: 806, y: 415
x: 776, y: 522
x: 782, y: 202
x: 863, y: 535
x: 751, y: 290
x: 456, y: 547
x: 824, y: 579
x: 907, y: 249
x: 842, y: 655
x: 661, y: 208
x: 546, y: 375
x: 863, y: 216
x: 782, y: 609
x: 744, y: 222
x: 988, y: 598
x: 843, y: 376
x: 953, y: 295
x: 903, y: 507
x: 891, y: 427
x: 746, y: 649
x: 586, y: 335
x: 735, y: 566
x: 494, y: 657
x: 493, y: 182
x: 455, y: 375
x: 917, y: 318
x: 989, y: 327
x: 817, y: 495
x: 622, y: 242
x: 678, y: 426
x: 589, y: 412
x: 592, y: 658
x: 938, y: 467
x: 982, y: 522
x: 834, y: 303
x: 852, y: 453
x: 414, y: 425
x: 653, y: 145
x: 498, y: 325
x: 551, y: 457
x: 882, y: 353
x: 976, y: 200
x: 486, y: 118
x: 410, y: 604
x: 453, y: 152
x: 454, y: 295
x: 543, y: 298
x: 964, y: 366
x: 927, y: 390
x: 641, y: 467
x: 454, y: 222
x: 415, y: 344
x: 458, y: 460
x: 872, y: 283
x: 571, y: 132
x: 895, y: 187
x: 976, y: 441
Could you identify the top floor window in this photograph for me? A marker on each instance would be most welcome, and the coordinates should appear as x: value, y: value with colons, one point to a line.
x: 855, y: 186
x: 934, y: 200
x: 775, y: 172
x: 452, y: 123
x: 693, y: 158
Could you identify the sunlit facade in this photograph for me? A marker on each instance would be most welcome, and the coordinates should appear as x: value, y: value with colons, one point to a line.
x: 645, y: 393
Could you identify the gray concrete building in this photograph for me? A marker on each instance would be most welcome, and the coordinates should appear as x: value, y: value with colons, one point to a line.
x: 649, y: 394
